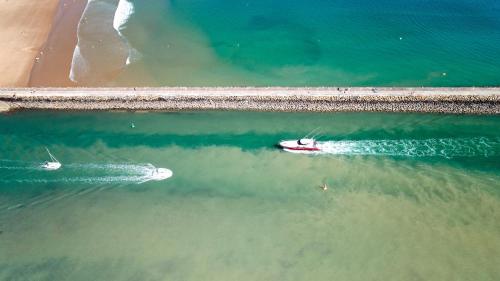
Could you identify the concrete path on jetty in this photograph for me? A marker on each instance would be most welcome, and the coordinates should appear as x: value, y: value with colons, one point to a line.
x: 438, y: 100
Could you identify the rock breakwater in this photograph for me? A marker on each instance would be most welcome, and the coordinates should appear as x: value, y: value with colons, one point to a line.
x: 437, y: 100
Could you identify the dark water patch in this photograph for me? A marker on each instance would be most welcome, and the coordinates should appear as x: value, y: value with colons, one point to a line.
x: 401, y: 147
x: 262, y: 22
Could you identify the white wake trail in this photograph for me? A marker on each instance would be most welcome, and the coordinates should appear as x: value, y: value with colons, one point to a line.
x: 89, y: 173
x: 440, y: 147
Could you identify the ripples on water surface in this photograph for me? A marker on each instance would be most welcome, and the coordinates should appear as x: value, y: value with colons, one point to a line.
x: 289, y: 43
x: 410, y: 197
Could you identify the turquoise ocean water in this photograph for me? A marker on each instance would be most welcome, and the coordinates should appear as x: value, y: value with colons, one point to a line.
x: 289, y: 43
x: 411, y: 197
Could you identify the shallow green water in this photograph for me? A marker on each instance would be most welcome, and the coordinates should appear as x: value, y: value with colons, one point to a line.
x: 411, y: 197
x: 289, y: 43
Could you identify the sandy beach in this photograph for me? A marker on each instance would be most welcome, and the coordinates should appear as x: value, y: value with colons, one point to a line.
x: 24, y: 28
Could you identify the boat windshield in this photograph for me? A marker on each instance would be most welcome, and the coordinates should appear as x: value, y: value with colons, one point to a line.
x: 304, y: 141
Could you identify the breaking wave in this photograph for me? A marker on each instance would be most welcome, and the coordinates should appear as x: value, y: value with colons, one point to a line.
x: 123, y: 13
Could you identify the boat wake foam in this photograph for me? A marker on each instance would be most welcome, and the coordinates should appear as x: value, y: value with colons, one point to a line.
x: 444, y: 147
x: 18, y: 165
x: 92, y: 173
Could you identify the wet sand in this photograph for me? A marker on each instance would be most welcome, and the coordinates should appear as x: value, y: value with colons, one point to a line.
x: 437, y: 100
x: 24, y: 28
x: 54, y: 65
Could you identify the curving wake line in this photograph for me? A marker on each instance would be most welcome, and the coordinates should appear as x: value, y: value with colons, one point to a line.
x: 92, y: 180
x: 18, y: 165
x: 444, y: 147
x: 112, y: 168
x: 91, y: 173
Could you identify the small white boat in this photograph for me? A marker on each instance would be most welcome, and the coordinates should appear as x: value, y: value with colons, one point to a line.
x: 51, y: 165
x: 301, y: 145
x: 159, y: 174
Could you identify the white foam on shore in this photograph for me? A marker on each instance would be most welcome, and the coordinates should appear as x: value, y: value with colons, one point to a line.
x: 78, y: 61
x: 123, y: 13
x: 78, y: 65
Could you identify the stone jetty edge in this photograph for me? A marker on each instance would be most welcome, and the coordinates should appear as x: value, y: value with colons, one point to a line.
x: 333, y: 99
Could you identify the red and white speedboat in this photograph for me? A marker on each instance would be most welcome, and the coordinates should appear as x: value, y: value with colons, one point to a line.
x: 301, y: 145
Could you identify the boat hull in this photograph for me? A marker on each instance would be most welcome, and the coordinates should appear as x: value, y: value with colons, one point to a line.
x: 51, y: 166
x: 301, y: 148
x: 161, y: 174
x: 294, y: 146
